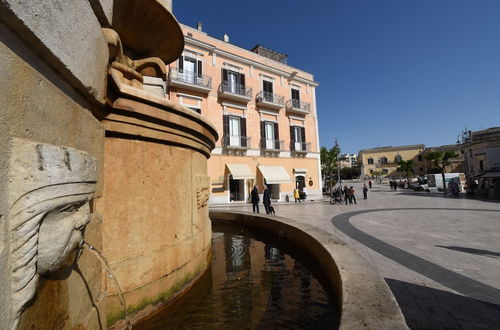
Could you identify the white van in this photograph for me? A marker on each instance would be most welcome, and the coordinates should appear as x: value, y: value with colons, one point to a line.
x: 435, y: 181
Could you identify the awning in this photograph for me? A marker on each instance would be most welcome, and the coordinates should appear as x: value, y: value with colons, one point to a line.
x: 240, y: 171
x: 299, y: 170
x: 274, y: 174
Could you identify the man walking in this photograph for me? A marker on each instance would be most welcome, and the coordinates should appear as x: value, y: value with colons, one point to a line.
x: 365, y: 191
x: 370, y: 183
x: 255, y: 199
x: 352, y: 196
x: 347, y: 195
x: 266, y: 199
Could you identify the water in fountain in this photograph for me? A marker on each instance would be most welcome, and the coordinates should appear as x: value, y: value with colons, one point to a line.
x: 106, y: 265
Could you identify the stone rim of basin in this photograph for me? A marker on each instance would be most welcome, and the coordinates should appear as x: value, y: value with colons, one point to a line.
x: 365, y: 299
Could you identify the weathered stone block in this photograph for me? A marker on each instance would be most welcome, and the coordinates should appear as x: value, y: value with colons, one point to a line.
x: 67, y: 35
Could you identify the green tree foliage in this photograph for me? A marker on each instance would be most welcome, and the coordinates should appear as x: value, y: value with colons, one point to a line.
x: 350, y: 172
x: 440, y: 160
x: 406, y: 166
x: 330, y: 162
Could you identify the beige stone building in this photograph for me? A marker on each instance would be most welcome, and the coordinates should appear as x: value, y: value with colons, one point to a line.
x: 263, y: 109
x: 383, y: 161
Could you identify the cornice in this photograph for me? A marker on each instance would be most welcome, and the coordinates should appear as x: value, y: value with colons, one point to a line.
x: 211, y: 48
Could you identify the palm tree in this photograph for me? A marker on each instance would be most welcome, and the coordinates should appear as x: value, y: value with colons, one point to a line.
x: 406, y: 166
x: 440, y: 160
x: 329, y: 162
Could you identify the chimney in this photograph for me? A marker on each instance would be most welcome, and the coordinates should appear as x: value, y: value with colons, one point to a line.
x: 199, y: 26
x: 226, y: 37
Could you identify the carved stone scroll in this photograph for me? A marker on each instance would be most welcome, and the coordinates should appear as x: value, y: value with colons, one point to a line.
x: 202, y: 191
x: 49, y: 192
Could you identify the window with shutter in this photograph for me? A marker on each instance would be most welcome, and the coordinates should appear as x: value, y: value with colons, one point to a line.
x: 200, y: 69
x: 276, y: 137
x: 243, y: 122
x: 295, y: 98
x: 181, y: 64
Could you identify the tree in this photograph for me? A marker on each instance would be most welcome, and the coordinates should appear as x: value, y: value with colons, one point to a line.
x: 406, y: 166
x: 440, y: 160
x: 329, y: 162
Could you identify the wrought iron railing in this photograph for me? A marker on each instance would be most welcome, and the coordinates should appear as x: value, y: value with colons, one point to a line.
x: 190, y: 77
x: 271, y: 98
x: 271, y: 144
x: 237, y: 89
x: 300, y: 146
x: 298, y: 105
x: 236, y: 141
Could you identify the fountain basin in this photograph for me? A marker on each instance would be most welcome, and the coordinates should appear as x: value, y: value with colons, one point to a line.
x: 365, y: 300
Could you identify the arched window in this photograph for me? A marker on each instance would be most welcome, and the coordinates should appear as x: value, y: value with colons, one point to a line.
x: 398, y: 158
x: 383, y: 160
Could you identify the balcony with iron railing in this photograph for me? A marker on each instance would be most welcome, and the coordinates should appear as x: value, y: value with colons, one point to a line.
x: 270, y: 100
x: 300, y: 147
x: 298, y: 107
x: 271, y: 145
x: 235, y: 92
x: 239, y: 142
x: 189, y: 80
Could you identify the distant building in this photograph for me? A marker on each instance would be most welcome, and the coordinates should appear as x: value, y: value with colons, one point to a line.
x: 457, y: 164
x: 482, y: 161
x: 383, y: 161
x: 348, y: 160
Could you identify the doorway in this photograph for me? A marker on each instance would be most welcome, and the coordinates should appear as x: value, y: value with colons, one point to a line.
x: 300, y: 182
x: 236, y: 190
x: 274, y: 189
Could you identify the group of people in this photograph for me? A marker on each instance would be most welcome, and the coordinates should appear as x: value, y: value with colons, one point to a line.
x: 348, y: 192
x: 394, y: 184
x: 298, y: 195
x: 266, y: 199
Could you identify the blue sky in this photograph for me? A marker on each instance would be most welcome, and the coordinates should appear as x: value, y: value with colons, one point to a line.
x: 391, y: 72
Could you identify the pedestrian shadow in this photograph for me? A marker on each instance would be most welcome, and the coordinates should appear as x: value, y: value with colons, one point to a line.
x: 428, y: 308
x: 472, y: 251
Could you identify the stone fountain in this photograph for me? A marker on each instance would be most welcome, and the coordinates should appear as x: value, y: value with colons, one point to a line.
x: 87, y: 134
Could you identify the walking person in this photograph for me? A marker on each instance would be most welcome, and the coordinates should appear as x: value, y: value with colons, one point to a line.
x: 266, y: 199
x: 352, y: 196
x: 370, y: 184
x: 347, y: 195
x: 365, y: 191
x: 296, y: 194
x: 255, y: 199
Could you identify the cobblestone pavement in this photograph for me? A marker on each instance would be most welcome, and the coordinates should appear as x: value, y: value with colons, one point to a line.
x: 439, y: 255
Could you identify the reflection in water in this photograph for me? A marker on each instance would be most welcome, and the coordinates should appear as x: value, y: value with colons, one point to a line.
x: 251, y: 285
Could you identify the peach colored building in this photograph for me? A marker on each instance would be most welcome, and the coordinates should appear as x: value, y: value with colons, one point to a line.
x: 264, y: 112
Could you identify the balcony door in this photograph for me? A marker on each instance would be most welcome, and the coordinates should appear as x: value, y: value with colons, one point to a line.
x: 269, y: 129
x: 267, y: 87
x: 232, y: 80
x: 295, y: 98
x: 234, y: 131
x: 297, y: 132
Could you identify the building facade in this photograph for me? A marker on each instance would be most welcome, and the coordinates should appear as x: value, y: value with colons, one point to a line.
x: 264, y: 112
x: 384, y: 161
x: 348, y: 160
x: 456, y: 164
x: 481, y: 150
